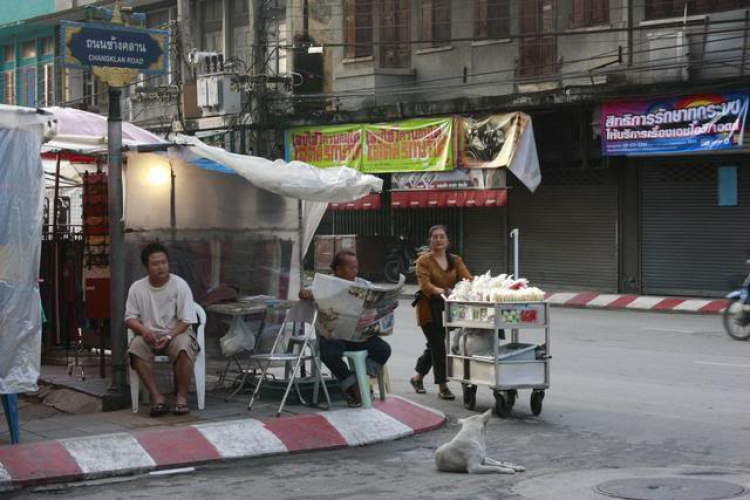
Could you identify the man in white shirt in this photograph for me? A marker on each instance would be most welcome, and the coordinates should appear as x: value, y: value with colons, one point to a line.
x: 160, y: 311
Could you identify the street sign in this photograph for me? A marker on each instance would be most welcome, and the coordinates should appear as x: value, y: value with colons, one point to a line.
x: 111, y: 46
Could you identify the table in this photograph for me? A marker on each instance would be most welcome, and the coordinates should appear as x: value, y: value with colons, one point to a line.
x: 246, y: 308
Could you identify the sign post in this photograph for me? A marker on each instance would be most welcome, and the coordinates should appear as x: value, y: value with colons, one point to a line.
x: 117, y: 53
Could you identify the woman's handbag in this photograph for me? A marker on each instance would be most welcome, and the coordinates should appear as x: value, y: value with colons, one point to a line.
x: 437, y: 307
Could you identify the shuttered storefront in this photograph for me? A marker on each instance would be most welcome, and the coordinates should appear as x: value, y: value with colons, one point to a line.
x: 485, y: 239
x: 689, y: 244
x: 568, y: 230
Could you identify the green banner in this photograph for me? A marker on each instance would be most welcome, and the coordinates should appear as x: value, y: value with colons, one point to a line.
x: 335, y: 146
x: 419, y: 145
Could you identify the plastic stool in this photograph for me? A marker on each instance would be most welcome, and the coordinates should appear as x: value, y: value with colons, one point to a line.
x: 356, y: 361
x: 10, y: 406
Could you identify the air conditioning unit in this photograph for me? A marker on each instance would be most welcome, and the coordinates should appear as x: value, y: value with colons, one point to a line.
x: 215, y: 95
x: 667, y: 57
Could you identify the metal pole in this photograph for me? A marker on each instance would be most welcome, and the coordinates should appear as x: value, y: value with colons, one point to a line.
x: 56, y: 247
x: 514, y: 235
x: 116, y: 397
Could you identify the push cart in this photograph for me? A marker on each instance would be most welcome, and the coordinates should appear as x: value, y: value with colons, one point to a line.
x: 511, y: 365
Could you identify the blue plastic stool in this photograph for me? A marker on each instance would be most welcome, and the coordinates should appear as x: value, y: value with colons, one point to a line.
x: 10, y: 406
x: 357, y: 364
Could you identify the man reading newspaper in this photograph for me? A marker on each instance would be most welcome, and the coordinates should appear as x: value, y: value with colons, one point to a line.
x: 339, y: 331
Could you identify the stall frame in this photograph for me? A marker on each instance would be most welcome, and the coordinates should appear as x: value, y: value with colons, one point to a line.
x: 500, y: 372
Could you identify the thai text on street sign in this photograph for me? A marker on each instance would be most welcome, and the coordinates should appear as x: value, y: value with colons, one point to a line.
x: 112, y: 46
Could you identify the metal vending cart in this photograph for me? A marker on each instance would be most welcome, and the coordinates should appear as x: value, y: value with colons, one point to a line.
x: 511, y: 365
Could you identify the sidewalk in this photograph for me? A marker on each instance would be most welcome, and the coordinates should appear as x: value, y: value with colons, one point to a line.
x: 595, y: 300
x: 177, y: 443
x: 60, y: 447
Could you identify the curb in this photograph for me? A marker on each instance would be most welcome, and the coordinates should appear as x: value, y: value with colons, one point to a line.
x: 122, y: 454
x: 614, y: 302
x: 637, y: 303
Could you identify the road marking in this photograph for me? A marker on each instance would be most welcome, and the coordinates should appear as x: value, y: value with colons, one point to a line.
x: 721, y: 364
x: 667, y: 330
x: 603, y: 300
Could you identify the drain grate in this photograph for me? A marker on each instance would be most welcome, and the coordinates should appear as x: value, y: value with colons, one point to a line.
x: 670, y: 489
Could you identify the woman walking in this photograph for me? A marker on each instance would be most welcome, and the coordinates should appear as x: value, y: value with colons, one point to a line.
x: 438, y: 271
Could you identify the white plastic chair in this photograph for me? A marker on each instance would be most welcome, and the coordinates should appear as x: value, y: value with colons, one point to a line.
x: 199, y: 368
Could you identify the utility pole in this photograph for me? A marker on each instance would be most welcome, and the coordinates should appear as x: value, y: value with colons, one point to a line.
x: 117, y: 396
x: 260, y: 52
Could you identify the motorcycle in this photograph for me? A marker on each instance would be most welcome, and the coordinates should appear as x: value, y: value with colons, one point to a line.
x: 736, y: 316
x: 401, y: 259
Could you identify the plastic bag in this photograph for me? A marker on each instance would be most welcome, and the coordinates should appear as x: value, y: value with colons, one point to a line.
x: 240, y: 337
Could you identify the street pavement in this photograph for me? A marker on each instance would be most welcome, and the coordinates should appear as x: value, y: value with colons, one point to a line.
x: 634, y: 395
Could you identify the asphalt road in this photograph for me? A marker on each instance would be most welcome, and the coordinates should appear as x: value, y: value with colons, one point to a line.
x: 633, y: 395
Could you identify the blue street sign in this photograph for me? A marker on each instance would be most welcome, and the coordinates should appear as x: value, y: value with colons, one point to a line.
x: 87, y: 44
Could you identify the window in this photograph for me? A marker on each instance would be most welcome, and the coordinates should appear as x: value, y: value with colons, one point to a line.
x: 28, y: 49
x: 90, y: 89
x: 676, y: 8
x: 436, y: 22
x: 590, y: 13
x: 358, y: 28
x: 10, y: 54
x: 394, y: 35
x: 28, y: 87
x: 492, y: 19
x: 48, y: 85
x: 48, y: 46
x: 538, y: 47
x: 211, y: 25
x: 9, y: 87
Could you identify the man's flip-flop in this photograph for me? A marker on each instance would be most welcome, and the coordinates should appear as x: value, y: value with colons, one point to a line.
x: 181, y: 409
x: 159, y: 410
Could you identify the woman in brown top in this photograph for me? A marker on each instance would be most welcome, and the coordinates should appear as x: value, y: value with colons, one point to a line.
x: 438, y: 271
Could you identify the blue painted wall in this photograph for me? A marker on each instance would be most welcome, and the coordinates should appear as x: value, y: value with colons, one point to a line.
x: 14, y: 10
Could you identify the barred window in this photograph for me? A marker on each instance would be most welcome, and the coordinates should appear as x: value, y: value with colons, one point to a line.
x: 358, y: 28
x: 590, y: 12
x: 436, y: 22
x: 492, y: 19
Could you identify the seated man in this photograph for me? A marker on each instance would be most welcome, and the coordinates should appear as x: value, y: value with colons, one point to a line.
x: 159, y: 311
x: 344, y: 266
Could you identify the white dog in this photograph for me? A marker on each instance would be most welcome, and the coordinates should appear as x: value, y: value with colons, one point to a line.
x: 466, y: 451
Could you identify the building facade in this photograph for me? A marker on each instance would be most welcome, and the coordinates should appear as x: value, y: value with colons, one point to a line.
x: 243, y: 71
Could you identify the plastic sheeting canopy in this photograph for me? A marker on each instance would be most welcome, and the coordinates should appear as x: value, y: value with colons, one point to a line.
x: 21, y: 198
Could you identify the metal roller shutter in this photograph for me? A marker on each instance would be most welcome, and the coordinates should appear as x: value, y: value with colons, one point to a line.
x: 568, y: 230
x: 690, y: 245
x: 485, y: 240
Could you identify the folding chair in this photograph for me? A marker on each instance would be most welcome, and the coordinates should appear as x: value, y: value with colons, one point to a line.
x: 305, y: 314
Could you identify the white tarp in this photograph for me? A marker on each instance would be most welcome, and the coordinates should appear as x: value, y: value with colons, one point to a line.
x: 21, y: 194
x: 294, y: 179
x: 84, y: 132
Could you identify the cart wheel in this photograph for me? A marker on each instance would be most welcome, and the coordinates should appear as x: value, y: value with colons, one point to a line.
x: 511, y: 399
x: 470, y: 396
x: 502, y: 409
x: 536, y: 402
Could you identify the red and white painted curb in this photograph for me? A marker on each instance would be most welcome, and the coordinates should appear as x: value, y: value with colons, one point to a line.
x: 165, y: 448
x: 637, y: 302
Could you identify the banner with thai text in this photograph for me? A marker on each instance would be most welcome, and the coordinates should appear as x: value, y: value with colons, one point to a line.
x: 706, y: 122
x: 418, y: 145
x: 334, y: 146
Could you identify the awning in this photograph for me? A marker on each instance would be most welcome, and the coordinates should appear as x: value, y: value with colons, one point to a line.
x: 449, y: 199
x: 368, y: 202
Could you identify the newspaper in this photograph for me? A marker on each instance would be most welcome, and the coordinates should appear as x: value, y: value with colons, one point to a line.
x: 354, y: 310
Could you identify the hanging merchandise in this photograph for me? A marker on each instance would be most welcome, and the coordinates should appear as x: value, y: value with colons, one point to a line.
x: 96, y: 245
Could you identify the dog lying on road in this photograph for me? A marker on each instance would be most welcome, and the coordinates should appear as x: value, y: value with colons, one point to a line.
x: 466, y: 451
